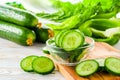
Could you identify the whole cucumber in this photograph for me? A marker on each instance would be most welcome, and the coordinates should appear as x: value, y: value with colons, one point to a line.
x: 43, y: 34
x: 17, y: 16
x: 17, y: 34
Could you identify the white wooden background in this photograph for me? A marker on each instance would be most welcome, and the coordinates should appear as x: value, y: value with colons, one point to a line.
x: 10, y: 57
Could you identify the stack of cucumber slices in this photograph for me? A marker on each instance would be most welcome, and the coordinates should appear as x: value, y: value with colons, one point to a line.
x: 41, y: 65
x: 89, y: 67
x: 69, y: 39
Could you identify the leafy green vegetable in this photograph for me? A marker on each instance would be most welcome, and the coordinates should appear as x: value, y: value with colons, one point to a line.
x: 106, y: 5
x: 65, y: 10
x: 108, y: 8
x: 105, y: 15
x: 67, y: 24
x: 74, y: 21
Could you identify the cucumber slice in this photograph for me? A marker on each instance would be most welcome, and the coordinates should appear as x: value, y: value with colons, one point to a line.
x: 61, y: 38
x: 112, y: 65
x: 58, y: 36
x: 43, y: 65
x: 87, y: 68
x: 26, y: 63
x: 72, y: 40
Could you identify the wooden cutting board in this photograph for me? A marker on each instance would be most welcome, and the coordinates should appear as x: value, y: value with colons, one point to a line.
x: 101, y: 50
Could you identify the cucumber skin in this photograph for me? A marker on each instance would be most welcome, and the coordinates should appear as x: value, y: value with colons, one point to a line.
x: 17, y: 16
x: 15, y: 33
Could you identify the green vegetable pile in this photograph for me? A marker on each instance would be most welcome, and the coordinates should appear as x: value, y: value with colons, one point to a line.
x: 95, y: 18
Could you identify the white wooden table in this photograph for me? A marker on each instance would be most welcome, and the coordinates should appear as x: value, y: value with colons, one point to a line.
x: 10, y: 57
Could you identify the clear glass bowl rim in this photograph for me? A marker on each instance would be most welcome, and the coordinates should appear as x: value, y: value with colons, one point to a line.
x: 87, y: 46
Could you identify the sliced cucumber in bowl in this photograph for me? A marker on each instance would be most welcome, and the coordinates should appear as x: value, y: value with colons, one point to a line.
x: 69, y: 46
x: 72, y: 41
x: 69, y: 39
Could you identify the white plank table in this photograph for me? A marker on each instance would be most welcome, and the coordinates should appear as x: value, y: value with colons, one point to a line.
x: 10, y: 57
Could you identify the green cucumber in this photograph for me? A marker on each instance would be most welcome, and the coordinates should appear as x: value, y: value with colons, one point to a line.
x: 112, y: 65
x: 17, y: 34
x: 87, y: 68
x: 72, y: 40
x: 17, y: 16
x: 43, y: 34
x: 43, y: 65
x: 26, y: 63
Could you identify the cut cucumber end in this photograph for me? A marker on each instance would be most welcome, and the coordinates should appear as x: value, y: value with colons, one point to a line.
x: 51, y: 33
x: 43, y: 65
x: 31, y: 38
x: 26, y: 63
x: 29, y: 42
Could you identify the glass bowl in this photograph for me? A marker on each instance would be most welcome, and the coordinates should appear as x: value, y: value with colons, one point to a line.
x: 70, y: 58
